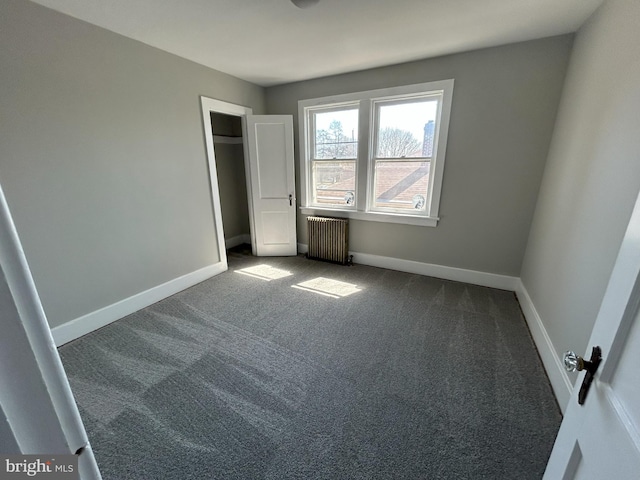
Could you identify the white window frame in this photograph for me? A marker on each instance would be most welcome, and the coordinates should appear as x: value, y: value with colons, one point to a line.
x: 364, y: 164
x: 312, y: 146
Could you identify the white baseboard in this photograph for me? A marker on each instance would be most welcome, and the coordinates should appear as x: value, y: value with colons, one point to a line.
x: 92, y: 321
x: 237, y: 240
x: 560, y: 382
x: 503, y: 282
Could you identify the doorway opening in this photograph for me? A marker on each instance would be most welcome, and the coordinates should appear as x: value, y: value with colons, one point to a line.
x: 267, y: 144
x: 232, y: 178
x: 227, y: 123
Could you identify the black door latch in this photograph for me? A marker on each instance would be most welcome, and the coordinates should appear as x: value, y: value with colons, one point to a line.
x: 573, y: 362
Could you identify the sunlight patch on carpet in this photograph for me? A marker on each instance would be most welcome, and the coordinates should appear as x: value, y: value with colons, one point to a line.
x: 328, y: 287
x: 265, y: 272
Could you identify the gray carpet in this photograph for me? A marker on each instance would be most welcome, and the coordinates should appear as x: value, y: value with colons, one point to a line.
x: 406, y: 377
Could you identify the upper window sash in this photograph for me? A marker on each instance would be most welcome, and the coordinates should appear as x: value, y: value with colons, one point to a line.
x: 379, y: 103
x: 313, y: 129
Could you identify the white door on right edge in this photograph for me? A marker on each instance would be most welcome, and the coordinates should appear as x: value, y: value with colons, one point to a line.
x: 600, y: 440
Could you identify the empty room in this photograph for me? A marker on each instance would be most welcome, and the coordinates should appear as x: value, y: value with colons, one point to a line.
x: 312, y: 239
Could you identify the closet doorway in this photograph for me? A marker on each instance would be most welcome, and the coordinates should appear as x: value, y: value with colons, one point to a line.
x: 267, y: 195
x: 232, y: 180
x: 210, y: 107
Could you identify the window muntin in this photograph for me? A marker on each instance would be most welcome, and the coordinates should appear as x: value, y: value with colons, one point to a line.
x: 404, y: 143
x: 333, y: 155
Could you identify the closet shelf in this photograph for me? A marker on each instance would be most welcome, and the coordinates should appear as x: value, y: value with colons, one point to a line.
x: 227, y: 139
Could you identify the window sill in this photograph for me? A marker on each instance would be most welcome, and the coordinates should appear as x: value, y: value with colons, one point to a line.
x: 373, y: 216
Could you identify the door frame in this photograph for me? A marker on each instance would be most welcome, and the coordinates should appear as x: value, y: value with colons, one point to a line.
x: 218, y: 106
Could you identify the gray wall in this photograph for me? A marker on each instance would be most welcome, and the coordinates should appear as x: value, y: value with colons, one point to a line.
x: 504, y: 107
x: 103, y: 159
x: 591, y: 180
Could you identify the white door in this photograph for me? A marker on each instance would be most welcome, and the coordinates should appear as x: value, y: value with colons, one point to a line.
x: 272, y: 206
x: 601, y: 439
x: 37, y: 409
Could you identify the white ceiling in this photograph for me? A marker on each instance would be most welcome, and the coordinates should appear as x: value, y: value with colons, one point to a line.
x: 270, y: 42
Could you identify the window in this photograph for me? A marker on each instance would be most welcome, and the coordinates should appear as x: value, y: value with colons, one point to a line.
x: 376, y: 155
x: 333, y: 137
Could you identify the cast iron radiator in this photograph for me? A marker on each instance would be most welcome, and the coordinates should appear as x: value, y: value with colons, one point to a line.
x: 328, y: 239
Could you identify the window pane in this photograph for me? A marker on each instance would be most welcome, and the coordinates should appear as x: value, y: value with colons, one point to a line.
x: 401, y: 185
x: 336, y: 134
x: 406, y: 129
x: 334, y: 183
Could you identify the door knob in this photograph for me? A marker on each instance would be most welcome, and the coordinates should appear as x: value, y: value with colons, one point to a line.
x: 573, y: 363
